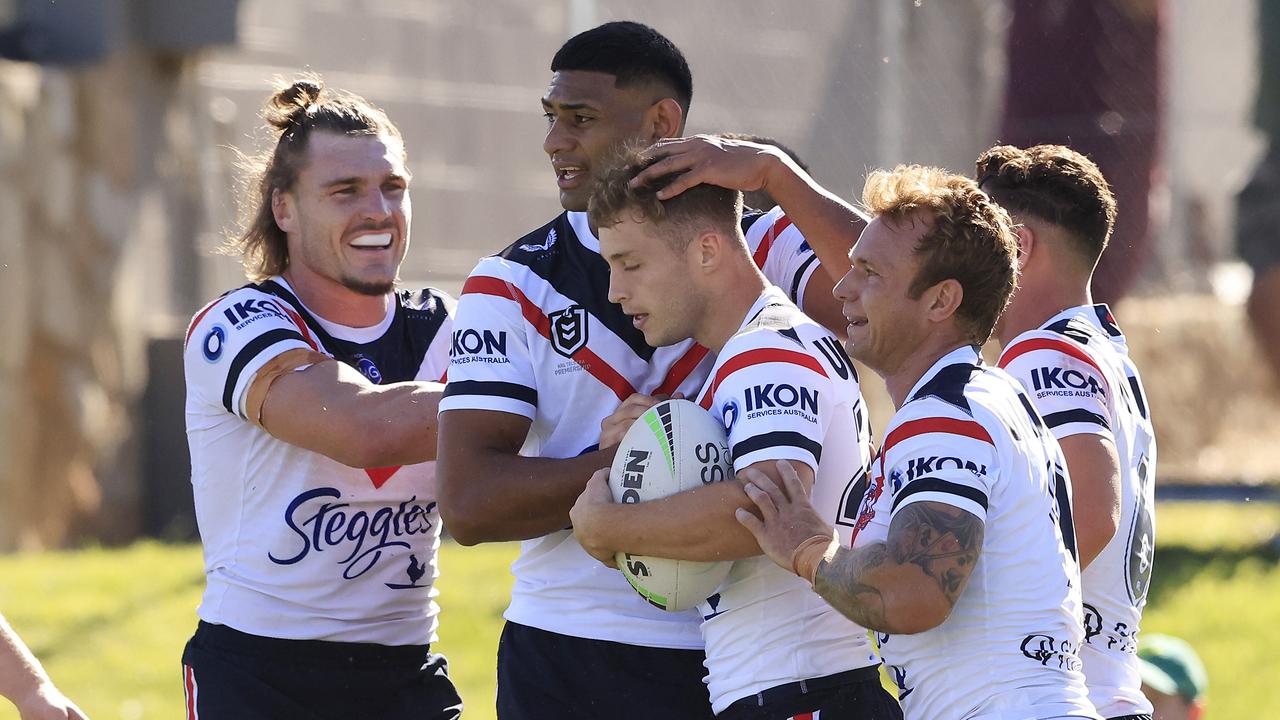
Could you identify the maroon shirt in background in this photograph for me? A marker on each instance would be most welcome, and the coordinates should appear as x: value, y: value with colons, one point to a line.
x: 1089, y: 74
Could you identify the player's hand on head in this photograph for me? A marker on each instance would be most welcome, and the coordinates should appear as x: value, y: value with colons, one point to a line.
x: 710, y: 159
x: 587, y: 519
x: 784, y: 518
x: 616, y: 425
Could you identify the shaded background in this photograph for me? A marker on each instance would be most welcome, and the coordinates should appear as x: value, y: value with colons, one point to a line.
x: 118, y: 182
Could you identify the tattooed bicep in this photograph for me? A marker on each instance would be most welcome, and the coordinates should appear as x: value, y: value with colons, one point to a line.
x: 942, y: 539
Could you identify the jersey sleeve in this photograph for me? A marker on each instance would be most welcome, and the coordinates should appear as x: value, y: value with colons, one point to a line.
x: 782, y: 253
x: 937, y: 456
x: 774, y: 400
x: 1063, y: 381
x: 435, y: 363
x: 491, y: 366
x: 232, y: 339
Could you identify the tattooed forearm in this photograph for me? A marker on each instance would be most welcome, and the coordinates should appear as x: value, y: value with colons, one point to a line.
x: 910, y: 583
x: 943, y: 540
x: 843, y: 581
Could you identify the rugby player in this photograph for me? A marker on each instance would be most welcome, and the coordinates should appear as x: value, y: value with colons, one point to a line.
x: 965, y: 563
x: 785, y: 390
x: 1073, y: 363
x: 541, y: 357
x: 312, y: 396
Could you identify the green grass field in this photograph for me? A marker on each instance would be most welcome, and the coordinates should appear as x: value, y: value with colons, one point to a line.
x: 110, y: 624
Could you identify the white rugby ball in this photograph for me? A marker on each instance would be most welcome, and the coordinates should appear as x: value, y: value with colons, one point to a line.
x: 674, y: 446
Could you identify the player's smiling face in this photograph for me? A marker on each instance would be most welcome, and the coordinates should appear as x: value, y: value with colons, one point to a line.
x: 347, y: 216
x: 588, y: 118
x: 886, y: 324
x: 651, y: 281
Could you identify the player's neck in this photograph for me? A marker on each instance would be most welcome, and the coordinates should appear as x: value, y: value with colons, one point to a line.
x: 899, y: 380
x: 335, y: 302
x: 725, y: 315
x: 1036, y: 303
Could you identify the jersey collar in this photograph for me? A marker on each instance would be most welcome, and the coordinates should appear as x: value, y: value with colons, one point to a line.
x: 1098, y: 316
x: 965, y: 354
x: 356, y: 335
x: 582, y: 228
x: 772, y: 295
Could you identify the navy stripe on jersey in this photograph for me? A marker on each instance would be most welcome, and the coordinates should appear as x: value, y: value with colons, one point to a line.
x: 1077, y: 415
x: 749, y: 218
x: 932, y: 484
x: 1074, y: 328
x: 795, y: 282
x: 778, y: 439
x: 398, y: 354
x: 1137, y: 396
x: 578, y: 274
x: 246, y: 355
x: 492, y: 388
x: 948, y: 385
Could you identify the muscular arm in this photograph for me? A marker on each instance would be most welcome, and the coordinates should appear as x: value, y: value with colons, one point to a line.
x: 1094, y: 467
x: 698, y: 524
x: 488, y: 492
x: 910, y: 583
x: 330, y: 408
x: 829, y: 224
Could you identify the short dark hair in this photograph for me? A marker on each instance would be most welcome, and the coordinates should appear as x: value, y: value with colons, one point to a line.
x: 1055, y: 184
x: 293, y: 113
x: 632, y: 52
x: 970, y: 240
x: 680, y: 217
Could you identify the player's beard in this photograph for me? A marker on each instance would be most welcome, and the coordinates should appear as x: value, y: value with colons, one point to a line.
x: 375, y: 288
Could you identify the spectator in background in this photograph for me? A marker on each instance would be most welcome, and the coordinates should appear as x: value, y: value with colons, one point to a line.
x: 26, y: 684
x: 1088, y: 75
x: 1173, y: 678
x: 1258, y: 211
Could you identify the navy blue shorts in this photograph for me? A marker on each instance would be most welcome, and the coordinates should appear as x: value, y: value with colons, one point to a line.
x: 547, y: 676
x: 853, y: 695
x: 230, y: 674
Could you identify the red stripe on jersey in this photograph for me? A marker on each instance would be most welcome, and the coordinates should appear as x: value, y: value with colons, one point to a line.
x: 302, y: 326
x: 803, y: 716
x: 1031, y: 344
x: 196, y: 321
x: 760, y: 357
x: 592, y: 363
x: 948, y: 426
x: 779, y: 226
x: 680, y: 370
x: 444, y: 378
x: 189, y: 686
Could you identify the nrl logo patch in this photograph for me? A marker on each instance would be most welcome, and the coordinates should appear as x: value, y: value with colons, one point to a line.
x: 569, y: 330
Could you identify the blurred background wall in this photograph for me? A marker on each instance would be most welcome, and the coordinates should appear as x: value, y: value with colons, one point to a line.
x: 118, y: 181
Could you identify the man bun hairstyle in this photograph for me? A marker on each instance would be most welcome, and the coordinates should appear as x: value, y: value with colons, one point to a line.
x: 632, y: 52
x: 970, y: 239
x: 1057, y: 185
x: 292, y: 114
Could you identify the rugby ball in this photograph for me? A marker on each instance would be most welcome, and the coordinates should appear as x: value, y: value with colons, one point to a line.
x: 674, y: 446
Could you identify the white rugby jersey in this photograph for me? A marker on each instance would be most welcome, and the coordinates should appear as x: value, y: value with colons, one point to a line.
x: 785, y: 390
x: 1077, y: 371
x: 535, y: 335
x: 969, y: 438
x: 297, y: 545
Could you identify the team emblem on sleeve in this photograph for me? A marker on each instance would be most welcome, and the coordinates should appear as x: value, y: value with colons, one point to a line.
x: 214, y: 341
x: 569, y: 330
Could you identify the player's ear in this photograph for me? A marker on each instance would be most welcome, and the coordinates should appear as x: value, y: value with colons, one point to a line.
x: 664, y: 119
x: 944, y: 299
x: 1026, y: 238
x: 284, y: 210
x: 710, y: 250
